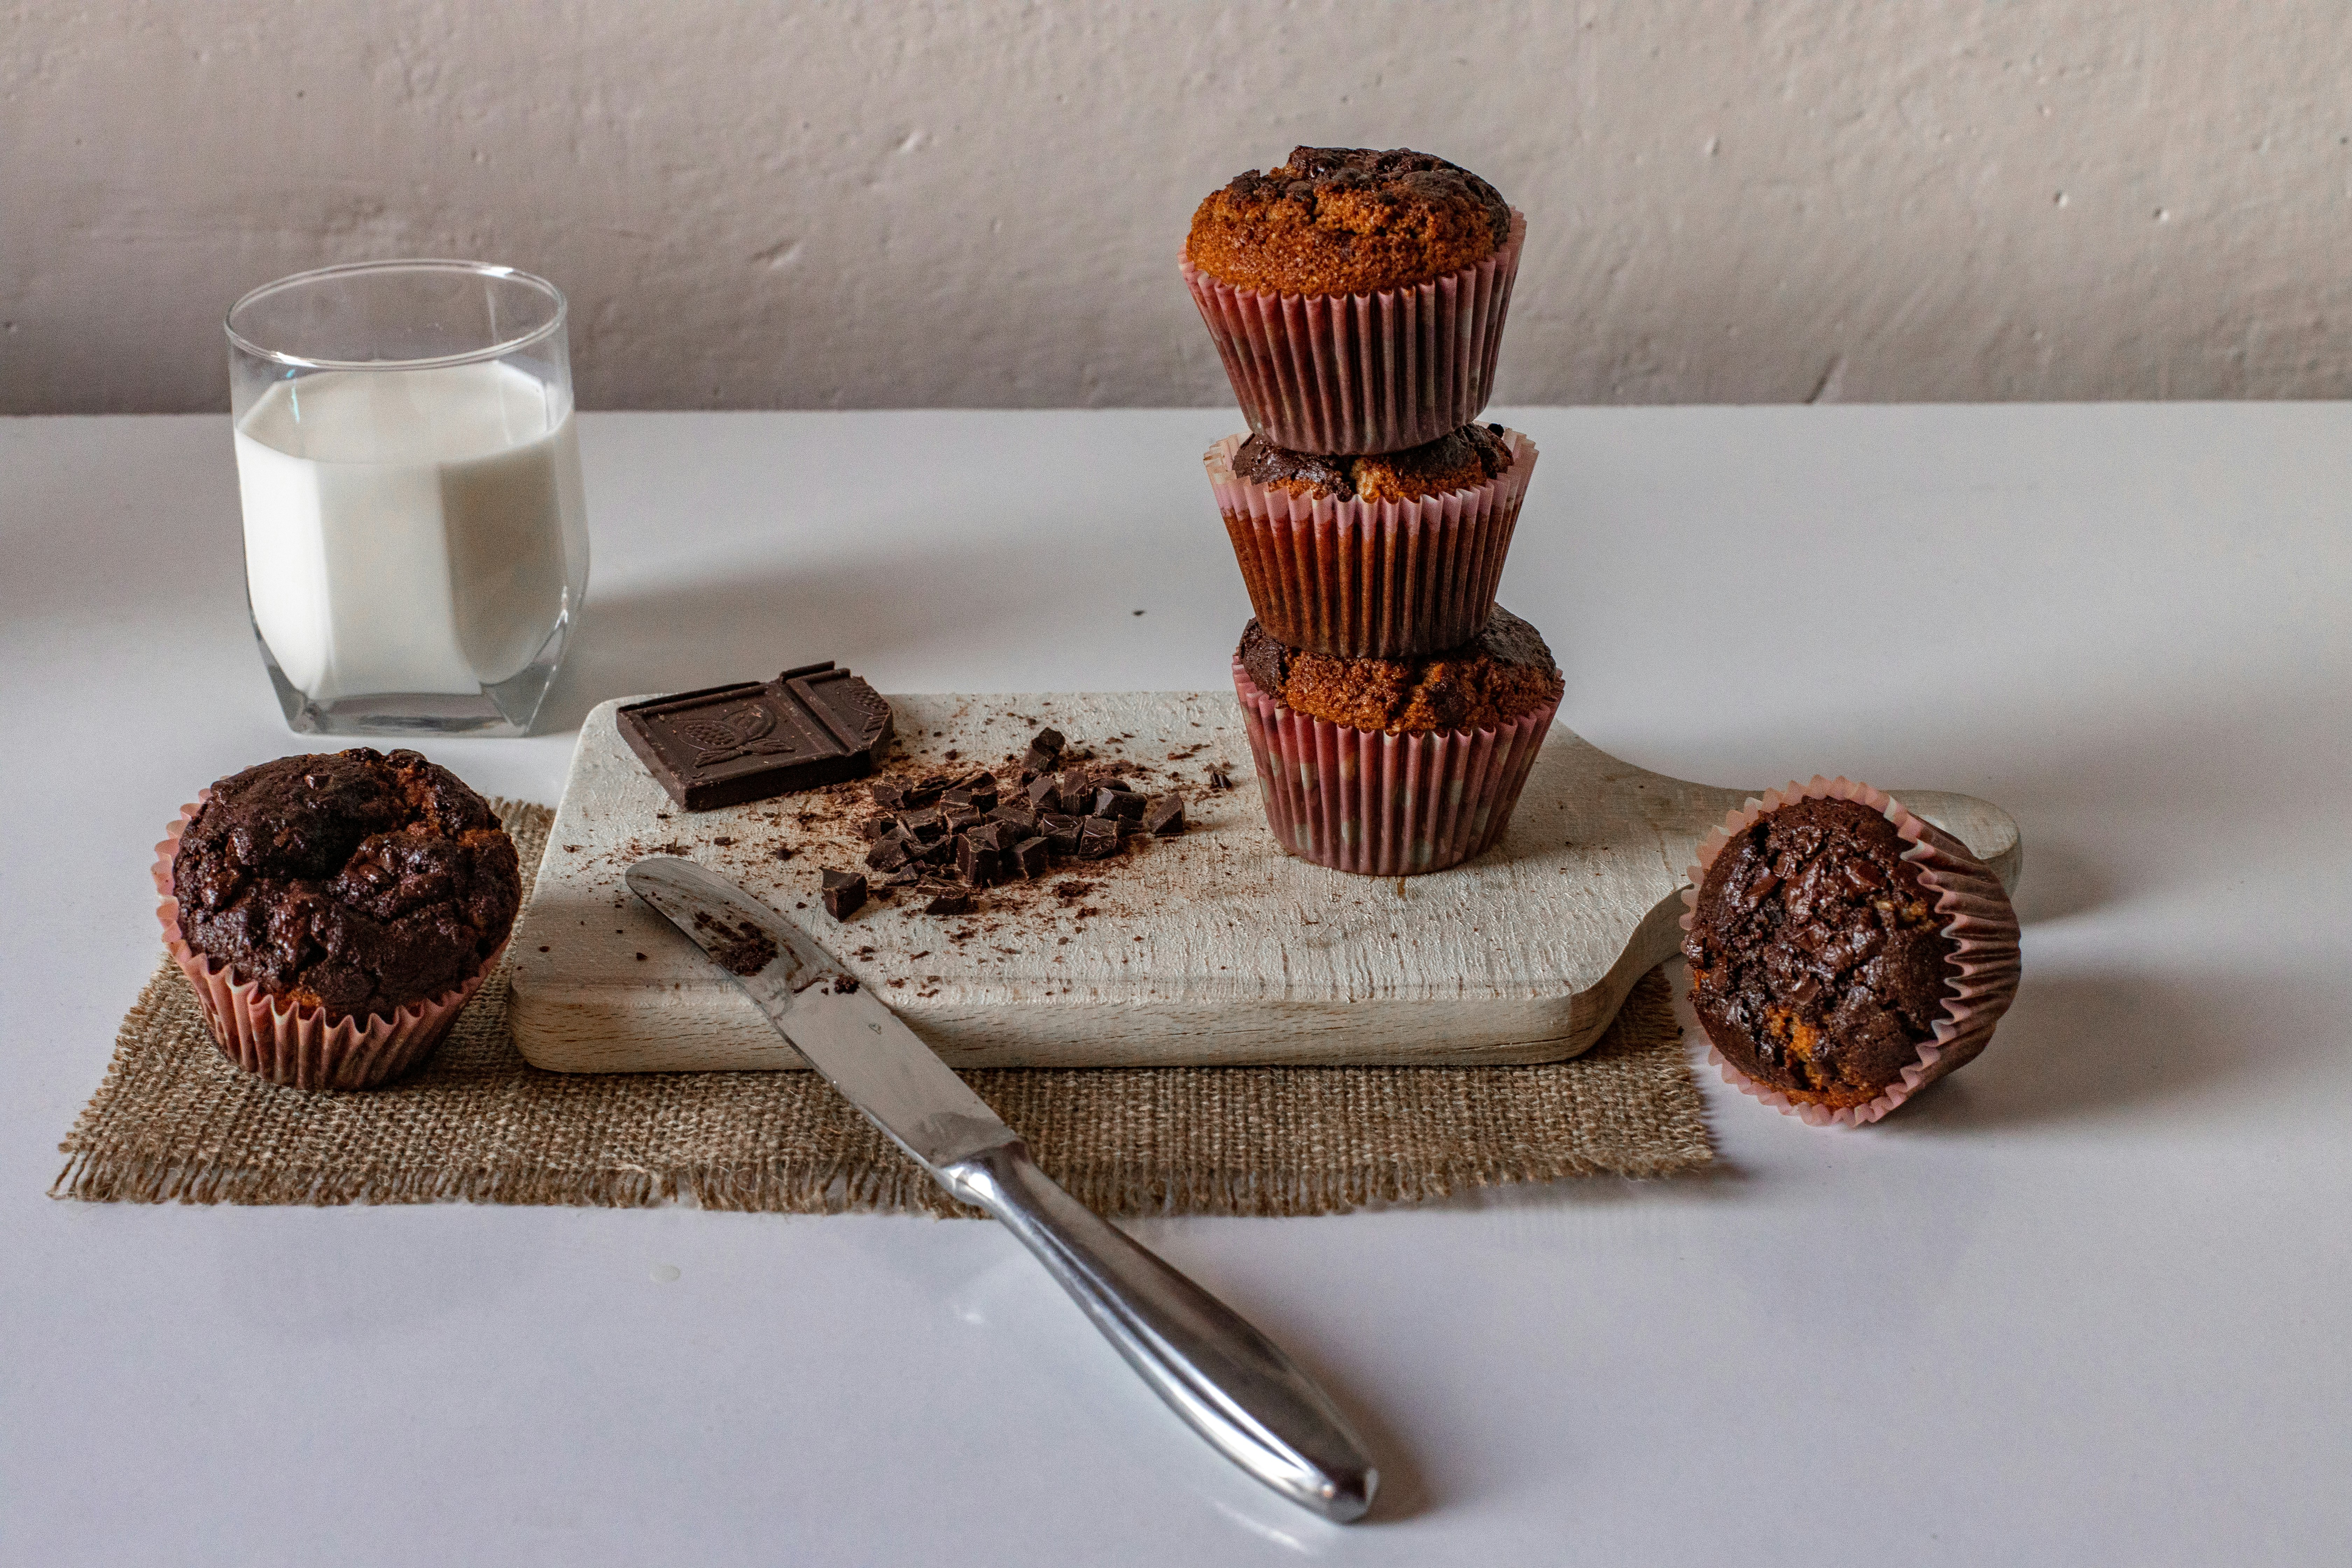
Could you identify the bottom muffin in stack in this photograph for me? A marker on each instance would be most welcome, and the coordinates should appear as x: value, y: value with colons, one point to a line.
x: 1390, y: 767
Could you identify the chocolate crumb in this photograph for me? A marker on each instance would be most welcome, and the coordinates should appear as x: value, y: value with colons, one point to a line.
x: 743, y: 949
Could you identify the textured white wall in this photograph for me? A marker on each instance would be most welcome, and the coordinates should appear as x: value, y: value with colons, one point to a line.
x: 900, y: 202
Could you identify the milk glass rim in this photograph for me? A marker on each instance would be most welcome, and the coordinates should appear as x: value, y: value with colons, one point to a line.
x: 553, y: 325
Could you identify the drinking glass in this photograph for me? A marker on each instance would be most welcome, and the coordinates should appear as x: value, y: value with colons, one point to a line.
x: 416, y: 536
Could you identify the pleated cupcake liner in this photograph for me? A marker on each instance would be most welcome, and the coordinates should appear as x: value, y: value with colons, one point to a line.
x: 1363, y: 373
x: 1977, y: 918
x: 1385, y: 806
x: 291, y: 1043
x: 1360, y: 579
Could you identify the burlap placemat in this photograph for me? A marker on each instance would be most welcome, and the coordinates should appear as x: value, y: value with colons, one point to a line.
x: 174, y: 1121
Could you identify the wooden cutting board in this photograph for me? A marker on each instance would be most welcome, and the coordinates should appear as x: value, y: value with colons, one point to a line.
x: 1214, y: 948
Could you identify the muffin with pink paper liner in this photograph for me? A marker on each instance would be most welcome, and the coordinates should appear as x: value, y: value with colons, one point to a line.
x: 334, y: 913
x: 1394, y: 767
x: 1844, y: 953
x: 1356, y: 297
x: 1380, y: 557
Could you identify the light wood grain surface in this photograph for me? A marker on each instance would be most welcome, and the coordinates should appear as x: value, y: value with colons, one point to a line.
x: 1214, y: 948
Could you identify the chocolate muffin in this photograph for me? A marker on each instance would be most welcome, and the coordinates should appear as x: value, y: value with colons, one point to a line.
x: 1818, y: 962
x: 1348, y: 220
x: 356, y: 882
x: 1458, y: 461
x: 1499, y: 677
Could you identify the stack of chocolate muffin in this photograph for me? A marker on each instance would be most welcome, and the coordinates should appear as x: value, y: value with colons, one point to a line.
x: 1357, y: 300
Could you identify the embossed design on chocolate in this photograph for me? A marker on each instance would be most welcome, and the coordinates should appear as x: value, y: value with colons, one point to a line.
x: 724, y: 745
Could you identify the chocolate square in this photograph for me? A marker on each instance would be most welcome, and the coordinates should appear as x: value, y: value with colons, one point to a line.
x: 726, y: 744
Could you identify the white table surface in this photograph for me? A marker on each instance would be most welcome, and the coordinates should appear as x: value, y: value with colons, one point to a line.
x: 2086, y: 1302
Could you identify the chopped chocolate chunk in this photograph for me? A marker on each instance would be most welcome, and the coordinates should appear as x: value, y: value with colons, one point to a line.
x: 1220, y: 779
x: 723, y: 745
x: 925, y: 825
x: 1019, y: 817
x: 962, y: 818
x: 992, y: 836
x: 890, y: 795
x: 972, y: 794
x: 951, y: 901
x: 843, y: 892
x: 1072, y: 889
x: 1115, y: 800
x: 1044, y: 754
x: 888, y: 853
x: 1061, y: 832
x: 1097, y: 839
x: 1045, y: 791
x: 1073, y: 794
x: 975, y: 865
x: 1030, y: 858
x: 933, y: 852
x: 876, y: 826
x: 1164, y: 815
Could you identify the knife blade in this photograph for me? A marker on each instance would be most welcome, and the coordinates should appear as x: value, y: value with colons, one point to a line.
x: 1234, y: 1385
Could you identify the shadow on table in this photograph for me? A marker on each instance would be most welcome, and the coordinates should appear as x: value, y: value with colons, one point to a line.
x: 2080, y: 1046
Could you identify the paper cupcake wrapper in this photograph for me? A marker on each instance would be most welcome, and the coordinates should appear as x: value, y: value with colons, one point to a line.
x: 1371, y: 579
x: 1978, y: 917
x: 1381, y: 804
x: 293, y: 1045
x: 1363, y: 373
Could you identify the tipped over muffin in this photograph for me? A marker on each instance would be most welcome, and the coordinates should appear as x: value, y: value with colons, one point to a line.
x: 1844, y: 953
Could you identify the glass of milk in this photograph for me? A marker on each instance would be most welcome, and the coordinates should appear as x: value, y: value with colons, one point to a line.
x: 415, y: 545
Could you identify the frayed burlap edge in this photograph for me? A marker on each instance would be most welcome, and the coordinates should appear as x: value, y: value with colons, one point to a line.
x: 175, y: 1122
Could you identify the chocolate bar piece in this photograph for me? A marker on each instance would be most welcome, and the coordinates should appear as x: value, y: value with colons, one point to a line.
x: 1164, y: 815
x: 726, y: 744
x: 843, y: 892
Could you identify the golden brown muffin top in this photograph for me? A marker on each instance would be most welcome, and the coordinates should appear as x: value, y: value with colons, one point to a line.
x: 1348, y: 220
x: 1458, y: 461
x: 1501, y: 675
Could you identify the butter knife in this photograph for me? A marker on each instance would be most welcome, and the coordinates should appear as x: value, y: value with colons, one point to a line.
x: 1229, y: 1382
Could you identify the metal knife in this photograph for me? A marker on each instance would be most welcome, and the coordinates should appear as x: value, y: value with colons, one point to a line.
x: 1232, y: 1384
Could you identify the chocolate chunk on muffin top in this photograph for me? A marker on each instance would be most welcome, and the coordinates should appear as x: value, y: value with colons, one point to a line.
x: 1499, y: 675
x: 355, y: 881
x: 1348, y: 220
x: 1817, y: 964
x: 1458, y: 461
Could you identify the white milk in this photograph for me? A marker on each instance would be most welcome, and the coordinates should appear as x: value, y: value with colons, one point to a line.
x: 409, y: 531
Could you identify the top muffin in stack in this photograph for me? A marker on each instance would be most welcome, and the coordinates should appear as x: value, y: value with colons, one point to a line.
x: 1358, y: 299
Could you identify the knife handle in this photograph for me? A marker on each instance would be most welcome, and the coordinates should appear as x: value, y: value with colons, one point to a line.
x: 1232, y: 1384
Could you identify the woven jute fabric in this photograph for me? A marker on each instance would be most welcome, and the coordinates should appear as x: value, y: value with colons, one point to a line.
x: 175, y: 1121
